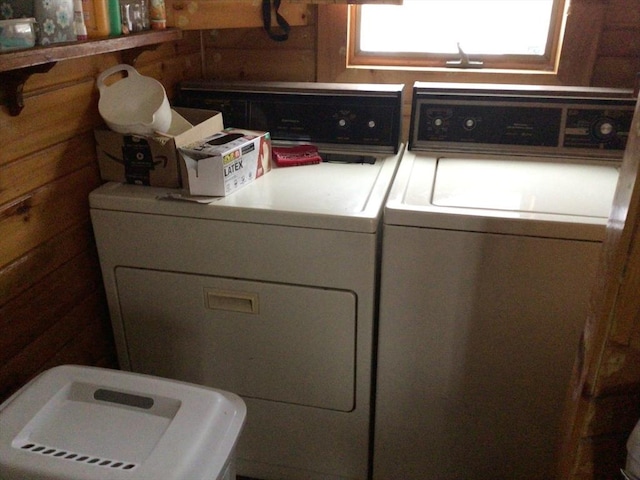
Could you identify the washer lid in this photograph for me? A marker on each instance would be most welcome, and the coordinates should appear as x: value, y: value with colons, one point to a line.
x: 525, y: 186
x: 522, y: 196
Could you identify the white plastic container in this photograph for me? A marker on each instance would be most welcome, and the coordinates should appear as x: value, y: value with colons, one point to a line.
x: 135, y: 104
x: 83, y: 423
x: 633, y: 452
x: 17, y: 33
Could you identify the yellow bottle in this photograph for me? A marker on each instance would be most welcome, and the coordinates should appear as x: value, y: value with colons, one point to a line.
x: 99, y: 27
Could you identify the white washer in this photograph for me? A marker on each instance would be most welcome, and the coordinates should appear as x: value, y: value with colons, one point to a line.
x: 270, y: 293
x: 488, y: 260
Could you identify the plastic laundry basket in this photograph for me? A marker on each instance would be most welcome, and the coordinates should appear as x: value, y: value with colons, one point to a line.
x: 83, y: 423
x: 633, y: 452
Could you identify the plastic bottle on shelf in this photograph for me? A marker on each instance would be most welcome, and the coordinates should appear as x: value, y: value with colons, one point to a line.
x: 157, y: 14
x: 115, y: 20
x: 100, y: 22
x: 78, y: 20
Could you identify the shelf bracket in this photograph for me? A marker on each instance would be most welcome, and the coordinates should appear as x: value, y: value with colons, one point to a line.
x: 16, y: 67
x: 14, y: 81
x: 130, y: 56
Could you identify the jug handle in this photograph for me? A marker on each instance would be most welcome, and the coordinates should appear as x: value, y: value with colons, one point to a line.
x: 110, y: 71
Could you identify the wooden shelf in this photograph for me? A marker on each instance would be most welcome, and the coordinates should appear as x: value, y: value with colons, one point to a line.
x: 17, y: 66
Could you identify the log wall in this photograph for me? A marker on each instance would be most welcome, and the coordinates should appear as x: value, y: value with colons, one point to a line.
x: 52, y: 305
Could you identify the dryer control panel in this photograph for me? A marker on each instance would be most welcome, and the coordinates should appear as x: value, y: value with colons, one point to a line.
x: 344, y: 115
x: 520, y: 119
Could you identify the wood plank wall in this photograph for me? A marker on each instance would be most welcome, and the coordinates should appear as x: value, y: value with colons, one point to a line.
x: 52, y: 306
x: 618, y: 60
x: 604, y: 399
x: 248, y: 54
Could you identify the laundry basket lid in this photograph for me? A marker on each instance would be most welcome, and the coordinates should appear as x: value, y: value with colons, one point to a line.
x: 86, y: 423
x: 633, y: 451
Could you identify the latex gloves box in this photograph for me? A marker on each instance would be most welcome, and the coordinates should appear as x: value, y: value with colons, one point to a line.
x: 153, y: 160
x: 224, y: 162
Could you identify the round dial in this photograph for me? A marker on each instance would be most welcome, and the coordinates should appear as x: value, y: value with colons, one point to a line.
x: 469, y: 123
x: 604, y: 129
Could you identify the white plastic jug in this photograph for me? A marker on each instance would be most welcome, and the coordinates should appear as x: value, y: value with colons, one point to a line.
x: 135, y: 104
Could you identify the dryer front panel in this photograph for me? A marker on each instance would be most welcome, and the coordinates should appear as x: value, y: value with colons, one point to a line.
x: 268, y: 341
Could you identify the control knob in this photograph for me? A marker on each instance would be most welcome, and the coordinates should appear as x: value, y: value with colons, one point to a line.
x: 604, y: 129
x: 469, y: 123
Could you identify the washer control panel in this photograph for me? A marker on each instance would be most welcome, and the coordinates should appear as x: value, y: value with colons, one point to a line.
x: 558, y: 120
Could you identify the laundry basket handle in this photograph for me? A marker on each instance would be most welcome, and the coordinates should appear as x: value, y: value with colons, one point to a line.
x: 115, y: 69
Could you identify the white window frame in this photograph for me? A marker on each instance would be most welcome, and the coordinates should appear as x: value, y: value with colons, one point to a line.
x: 575, y: 65
x: 545, y: 62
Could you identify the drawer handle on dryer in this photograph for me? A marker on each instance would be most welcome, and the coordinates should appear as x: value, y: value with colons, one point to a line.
x: 244, y: 302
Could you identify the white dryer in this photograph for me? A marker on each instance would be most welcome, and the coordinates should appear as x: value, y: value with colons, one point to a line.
x: 492, y: 233
x: 270, y: 292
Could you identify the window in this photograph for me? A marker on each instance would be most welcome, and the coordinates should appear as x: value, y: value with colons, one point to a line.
x: 493, y: 34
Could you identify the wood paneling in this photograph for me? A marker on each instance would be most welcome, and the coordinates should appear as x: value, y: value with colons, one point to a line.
x: 80, y: 336
x: 623, y: 13
x: 249, y: 54
x: 582, y: 37
x: 602, y: 406
x: 49, y: 116
x: 623, y: 42
x: 36, y: 217
x: 45, y: 304
x: 37, y: 169
x: 203, y: 14
x: 37, y: 263
x: 52, y: 306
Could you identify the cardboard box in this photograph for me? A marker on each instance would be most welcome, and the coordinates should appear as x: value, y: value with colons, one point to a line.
x: 222, y: 163
x: 153, y: 160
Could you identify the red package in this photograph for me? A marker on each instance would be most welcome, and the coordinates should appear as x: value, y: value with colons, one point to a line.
x: 293, y: 156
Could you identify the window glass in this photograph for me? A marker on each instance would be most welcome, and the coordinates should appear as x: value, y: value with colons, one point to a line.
x: 494, y: 27
x: 501, y: 30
